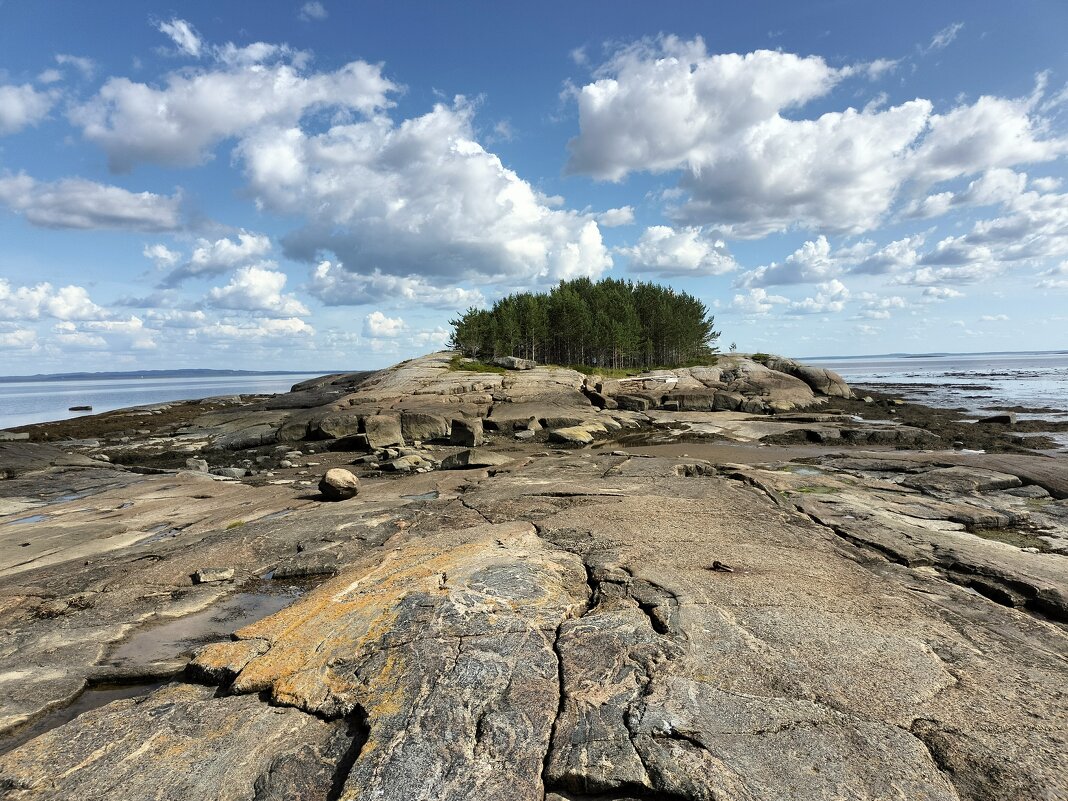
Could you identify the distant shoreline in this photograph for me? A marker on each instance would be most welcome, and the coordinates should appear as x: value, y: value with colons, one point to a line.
x: 937, y: 355
x: 119, y: 375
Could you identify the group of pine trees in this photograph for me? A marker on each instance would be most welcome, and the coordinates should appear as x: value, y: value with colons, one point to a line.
x: 610, y: 323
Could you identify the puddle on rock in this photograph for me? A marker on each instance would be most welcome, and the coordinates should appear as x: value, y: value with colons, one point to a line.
x: 172, y: 638
x: 30, y: 519
x: 90, y: 699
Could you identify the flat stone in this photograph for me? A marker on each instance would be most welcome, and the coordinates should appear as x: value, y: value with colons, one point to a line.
x: 473, y: 459
x: 572, y: 435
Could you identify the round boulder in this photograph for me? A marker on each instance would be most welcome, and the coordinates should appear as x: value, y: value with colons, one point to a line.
x: 339, y: 484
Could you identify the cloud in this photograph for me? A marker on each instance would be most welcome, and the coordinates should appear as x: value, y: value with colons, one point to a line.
x: 313, y: 11
x: 686, y: 251
x: 417, y: 198
x: 334, y: 285
x: 995, y: 186
x: 810, y: 263
x: 751, y: 162
x: 18, y: 339
x: 940, y: 293
x: 22, y: 106
x: 830, y: 298
x: 376, y: 324
x: 879, y: 308
x: 992, y: 132
x: 1054, y: 278
x: 86, y: 66
x: 43, y: 300
x: 879, y: 67
x: 184, y: 36
x: 994, y: 318
x: 656, y: 104
x: 255, y: 330
x: 180, y: 123
x: 901, y: 254
x: 214, y: 257
x: 83, y: 204
x: 257, y: 289
x: 945, y: 37
x: 164, y: 257
x: 757, y: 302
x: 613, y: 218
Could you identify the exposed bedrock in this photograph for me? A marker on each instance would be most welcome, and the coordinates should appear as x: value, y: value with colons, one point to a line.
x: 689, y: 620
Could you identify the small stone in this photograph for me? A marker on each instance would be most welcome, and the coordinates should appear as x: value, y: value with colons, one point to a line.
x: 339, y: 484
x: 199, y: 465
x: 869, y: 399
x: 1004, y: 419
x: 525, y: 434
x: 209, y: 574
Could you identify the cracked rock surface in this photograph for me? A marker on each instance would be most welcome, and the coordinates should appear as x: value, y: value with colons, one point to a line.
x: 679, y: 621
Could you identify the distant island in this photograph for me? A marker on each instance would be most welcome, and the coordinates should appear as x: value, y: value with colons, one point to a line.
x: 192, y: 373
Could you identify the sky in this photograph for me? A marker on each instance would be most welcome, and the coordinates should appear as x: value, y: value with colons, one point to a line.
x: 324, y: 185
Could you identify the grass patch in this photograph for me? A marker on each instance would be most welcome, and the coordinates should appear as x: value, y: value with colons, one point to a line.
x: 815, y: 490
x: 235, y: 524
x: 459, y: 364
x: 763, y: 358
x: 1021, y: 538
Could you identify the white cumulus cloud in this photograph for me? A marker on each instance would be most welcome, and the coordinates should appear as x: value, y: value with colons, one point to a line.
x: 684, y: 251
x: 378, y: 325
x: 80, y: 203
x: 422, y: 197
x: 257, y: 289
x: 21, y: 106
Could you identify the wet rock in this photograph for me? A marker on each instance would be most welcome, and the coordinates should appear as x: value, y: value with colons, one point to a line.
x: 1004, y: 419
x: 207, y: 575
x: 467, y: 432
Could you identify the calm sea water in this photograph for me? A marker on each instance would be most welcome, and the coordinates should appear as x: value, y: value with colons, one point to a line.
x: 42, y: 401
x: 975, y: 382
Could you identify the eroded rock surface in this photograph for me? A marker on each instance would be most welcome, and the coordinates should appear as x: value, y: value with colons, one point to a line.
x: 688, y: 616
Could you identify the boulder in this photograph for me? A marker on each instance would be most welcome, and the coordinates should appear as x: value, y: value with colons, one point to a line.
x: 199, y: 465
x: 634, y: 403
x: 821, y: 380
x: 471, y: 459
x: 383, y: 430
x: 512, y: 363
x: 339, y: 484
x: 337, y: 424
x: 423, y: 426
x: 353, y: 442
x: 230, y: 472
x: 467, y: 432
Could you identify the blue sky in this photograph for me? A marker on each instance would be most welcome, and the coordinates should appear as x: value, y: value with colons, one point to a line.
x: 323, y: 185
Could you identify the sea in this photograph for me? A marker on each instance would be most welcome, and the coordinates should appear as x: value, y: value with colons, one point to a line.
x: 24, y: 403
x: 975, y: 382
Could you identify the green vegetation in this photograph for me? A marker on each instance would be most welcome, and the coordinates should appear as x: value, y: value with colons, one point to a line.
x: 458, y: 362
x: 608, y: 325
x: 763, y: 358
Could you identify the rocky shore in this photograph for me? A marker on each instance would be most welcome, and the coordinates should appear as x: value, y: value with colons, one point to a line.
x: 737, y: 581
